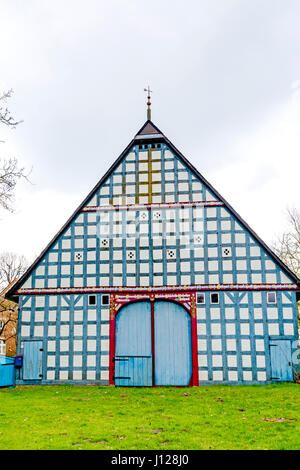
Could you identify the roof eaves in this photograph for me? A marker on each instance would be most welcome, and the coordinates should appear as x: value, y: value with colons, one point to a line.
x: 236, y: 215
x: 10, y: 293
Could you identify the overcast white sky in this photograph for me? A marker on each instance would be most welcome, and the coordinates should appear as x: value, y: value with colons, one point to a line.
x: 226, y: 81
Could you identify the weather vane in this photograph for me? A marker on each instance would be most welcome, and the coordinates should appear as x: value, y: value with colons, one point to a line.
x: 148, y: 102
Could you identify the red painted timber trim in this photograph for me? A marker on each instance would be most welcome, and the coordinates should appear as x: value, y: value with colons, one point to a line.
x: 193, y: 313
x: 112, y: 340
x: 188, y: 301
x: 158, y: 290
x: 159, y: 205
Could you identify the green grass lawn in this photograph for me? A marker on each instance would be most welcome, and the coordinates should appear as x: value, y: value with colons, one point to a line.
x: 93, y: 417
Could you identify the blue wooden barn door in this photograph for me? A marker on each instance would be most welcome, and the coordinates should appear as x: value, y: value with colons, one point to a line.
x: 173, y: 349
x: 32, y: 366
x: 281, y: 360
x: 133, y: 357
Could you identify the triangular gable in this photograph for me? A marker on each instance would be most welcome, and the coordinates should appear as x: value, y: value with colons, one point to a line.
x: 25, y: 276
x: 101, y: 193
x: 236, y: 215
x: 148, y: 129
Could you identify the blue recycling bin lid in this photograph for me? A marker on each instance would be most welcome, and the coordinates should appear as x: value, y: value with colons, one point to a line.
x: 18, y: 361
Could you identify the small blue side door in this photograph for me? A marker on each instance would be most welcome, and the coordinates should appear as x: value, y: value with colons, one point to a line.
x: 173, y: 348
x: 133, y: 357
x: 32, y: 365
x: 281, y: 360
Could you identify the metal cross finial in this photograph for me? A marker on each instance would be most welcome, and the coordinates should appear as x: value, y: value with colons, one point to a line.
x: 148, y: 102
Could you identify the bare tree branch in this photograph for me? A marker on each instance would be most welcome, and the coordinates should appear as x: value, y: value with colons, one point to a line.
x: 5, y: 116
x: 287, y: 246
x: 9, y: 317
x: 10, y: 172
x: 12, y: 266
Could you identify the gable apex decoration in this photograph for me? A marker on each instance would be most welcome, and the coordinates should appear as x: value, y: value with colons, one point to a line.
x: 149, y: 129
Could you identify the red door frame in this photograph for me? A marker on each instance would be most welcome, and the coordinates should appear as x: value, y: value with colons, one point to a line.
x: 187, y: 300
x: 153, y: 343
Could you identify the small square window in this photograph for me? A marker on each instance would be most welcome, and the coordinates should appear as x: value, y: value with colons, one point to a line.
x: 226, y: 252
x: 92, y: 300
x: 200, y: 298
x: 271, y: 297
x: 104, y: 242
x: 105, y: 299
x: 156, y: 215
x: 130, y: 255
x: 143, y: 215
x: 214, y: 298
x: 198, y: 239
x: 2, y: 347
x: 171, y: 254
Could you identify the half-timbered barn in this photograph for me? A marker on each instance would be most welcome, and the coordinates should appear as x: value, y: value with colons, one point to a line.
x: 156, y: 280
